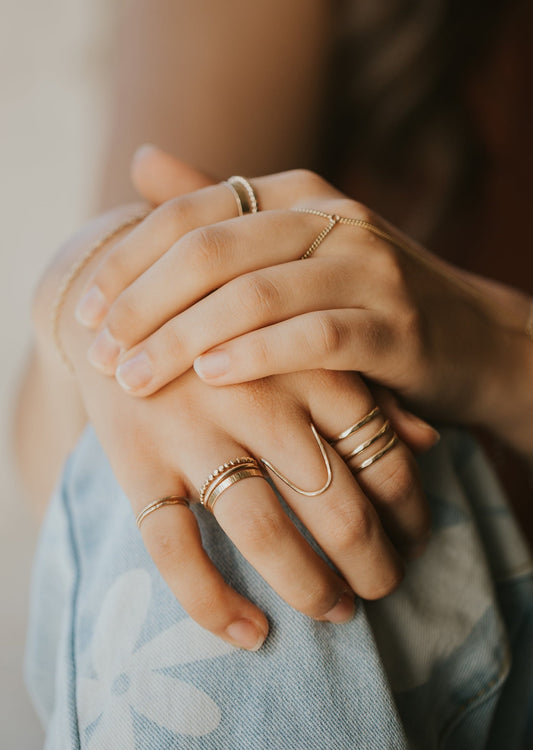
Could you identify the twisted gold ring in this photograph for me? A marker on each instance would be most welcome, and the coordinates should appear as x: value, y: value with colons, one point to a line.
x: 169, y: 500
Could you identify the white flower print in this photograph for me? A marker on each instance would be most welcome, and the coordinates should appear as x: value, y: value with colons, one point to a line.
x: 129, y: 679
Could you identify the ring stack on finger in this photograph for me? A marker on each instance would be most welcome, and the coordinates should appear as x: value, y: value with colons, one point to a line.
x: 225, y: 476
x: 244, y: 194
x: 384, y: 439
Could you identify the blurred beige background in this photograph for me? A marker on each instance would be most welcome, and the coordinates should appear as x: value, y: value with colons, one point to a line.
x: 53, y: 59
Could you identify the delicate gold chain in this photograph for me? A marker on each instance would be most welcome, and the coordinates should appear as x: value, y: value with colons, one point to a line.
x: 335, y: 219
x: 72, y: 274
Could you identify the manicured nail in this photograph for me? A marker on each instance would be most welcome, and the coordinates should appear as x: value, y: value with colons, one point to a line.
x: 213, y: 364
x: 91, y: 308
x: 245, y: 634
x: 343, y: 611
x: 424, y: 425
x: 104, y: 351
x: 135, y: 373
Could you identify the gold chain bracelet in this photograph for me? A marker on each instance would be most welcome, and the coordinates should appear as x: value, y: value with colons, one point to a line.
x: 73, y: 273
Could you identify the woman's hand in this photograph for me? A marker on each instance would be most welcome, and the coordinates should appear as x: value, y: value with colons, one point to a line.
x: 167, y: 444
x: 234, y: 298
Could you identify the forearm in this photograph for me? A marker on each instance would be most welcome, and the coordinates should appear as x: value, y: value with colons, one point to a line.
x: 229, y: 87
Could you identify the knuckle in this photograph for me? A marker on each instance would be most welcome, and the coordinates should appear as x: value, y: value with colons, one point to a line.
x: 328, y: 335
x: 258, y: 296
x: 354, y: 526
x: 175, y: 214
x: 207, y: 249
x: 308, y: 181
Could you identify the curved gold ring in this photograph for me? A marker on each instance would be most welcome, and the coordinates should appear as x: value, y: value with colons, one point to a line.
x: 244, y: 195
x: 286, y: 481
x: 169, y: 500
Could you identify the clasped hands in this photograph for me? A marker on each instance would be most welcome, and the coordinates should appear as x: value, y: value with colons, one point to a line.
x: 282, y: 339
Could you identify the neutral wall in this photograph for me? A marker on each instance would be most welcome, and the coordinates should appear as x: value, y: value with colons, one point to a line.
x: 53, y: 58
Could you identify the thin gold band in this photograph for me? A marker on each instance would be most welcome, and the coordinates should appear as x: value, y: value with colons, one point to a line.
x: 244, y: 195
x: 286, y: 481
x: 357, y: 426
x: 169, y: 500
x: 229, y: 480
x: 75, y: 270
x: 335, y: 219
x: 360, y: 448
x: 372, y: 460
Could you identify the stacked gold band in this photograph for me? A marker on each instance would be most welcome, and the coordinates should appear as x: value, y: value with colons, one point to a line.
x: 227, y: 475
x: 169, y: 500
x: 384, y: 431
x: 244, y: 195
x: 334, y: 219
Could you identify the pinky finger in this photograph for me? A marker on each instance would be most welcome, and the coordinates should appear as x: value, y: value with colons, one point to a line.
x: 332, y: 339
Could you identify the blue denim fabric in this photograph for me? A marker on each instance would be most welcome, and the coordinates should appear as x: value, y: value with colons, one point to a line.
x: 446, y: 662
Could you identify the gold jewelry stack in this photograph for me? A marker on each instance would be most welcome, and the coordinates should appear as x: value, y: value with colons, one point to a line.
x: 226, y: 475
x: 385, y: 432
x: 244, y: 195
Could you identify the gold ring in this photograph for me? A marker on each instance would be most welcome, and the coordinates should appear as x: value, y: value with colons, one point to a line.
x: 244, y: 195
x: 372, y: 460
x: 325, y: 458
x: 169, y: 500
x: 357, y: 426
x: 360, y: 448
x: 228, y: 480
x: 217, y: 481
x: 334, y: 219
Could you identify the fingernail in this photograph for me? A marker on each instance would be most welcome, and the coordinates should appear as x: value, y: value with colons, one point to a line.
x: 424, y: 425
x: 245, y: 634
x: 104, y: 351
x: 91, y: 308
x: 213, y: 364
x: 343, y: 611
x: 144, y: 150
x: 135, y: 373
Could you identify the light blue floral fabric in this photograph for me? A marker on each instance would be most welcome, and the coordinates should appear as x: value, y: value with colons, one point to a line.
x: 114, y: 663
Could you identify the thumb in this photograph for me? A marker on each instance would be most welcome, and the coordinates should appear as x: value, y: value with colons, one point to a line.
x: 159, y: 176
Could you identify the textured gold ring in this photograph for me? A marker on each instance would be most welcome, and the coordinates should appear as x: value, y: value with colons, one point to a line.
x: 244, y: 195
x: 169, y: 500
x: 228, y: 480
x: 223, y: 469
